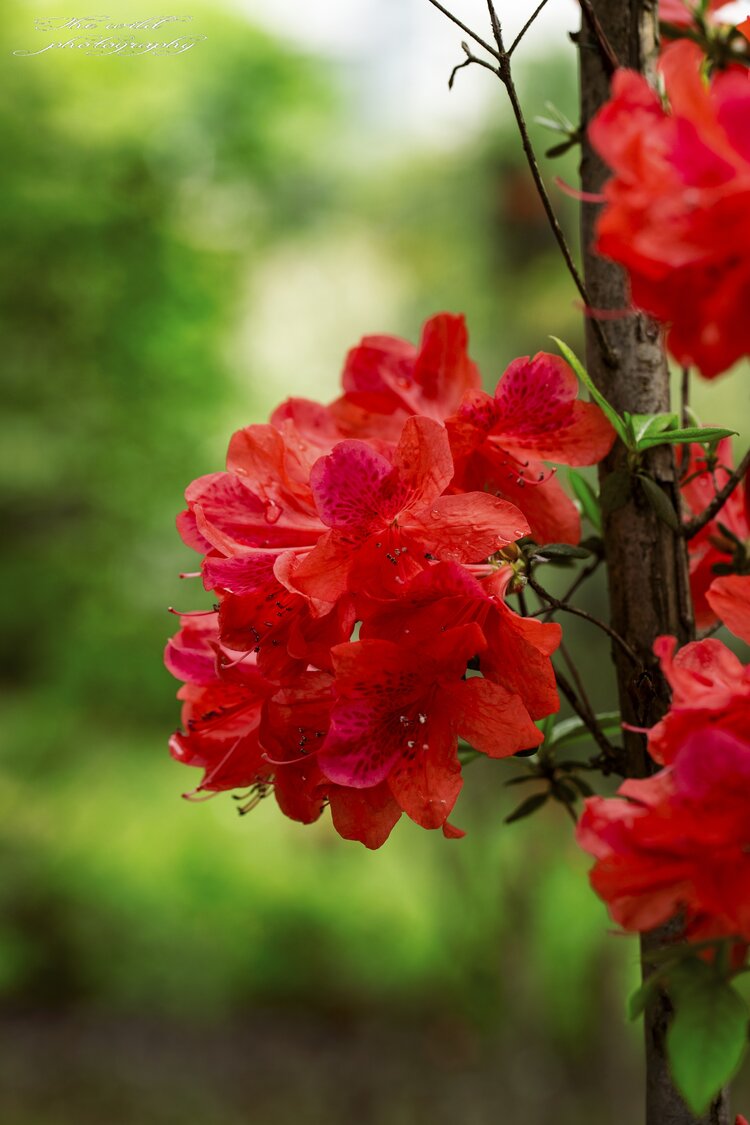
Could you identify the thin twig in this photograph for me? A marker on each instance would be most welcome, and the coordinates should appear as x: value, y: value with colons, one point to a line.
x: 580, y: 686
x: 685, y: 398
x: 692, y: 527
x: 470, y: 58
x: 506, y: 77
x: 586, y: 617
x: 610, y: 751
x: 572, y: 589
x: 609, y: 58
x: 525, y: 28
x: 472, y: 34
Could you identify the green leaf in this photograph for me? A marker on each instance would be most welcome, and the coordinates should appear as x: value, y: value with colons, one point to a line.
x: 639, y: 1000
x: 527, y: 807
x: 708, y: 1035
x: 684, y: 437
x: 581, y: 785
x: 660, y: 502
x: 618, y: 423
x: 570, y: 731
x: 521, y: 779
x: 615, y: 493
x: 562, y: 551
x: 648, y: 425
x: 587, y: 498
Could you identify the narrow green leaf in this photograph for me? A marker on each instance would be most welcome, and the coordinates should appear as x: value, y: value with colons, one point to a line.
x: 615, y: 493
x: 660, y: 502
x: 522, y: 779
x: 639, y: 1000
x: 527, y: 807
x: 562, y: 551
x: 708, y: 1035
x: 581, y: 785
x: 570, y: 731
x: 685, y: 437
x: 617, y: 422
x: 587, y: 498
x: 647, y: 425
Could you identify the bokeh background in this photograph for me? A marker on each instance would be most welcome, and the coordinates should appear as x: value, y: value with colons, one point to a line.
x: 186, y: 241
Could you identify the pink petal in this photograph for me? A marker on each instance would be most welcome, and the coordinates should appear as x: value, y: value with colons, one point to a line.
x: 348, y: 485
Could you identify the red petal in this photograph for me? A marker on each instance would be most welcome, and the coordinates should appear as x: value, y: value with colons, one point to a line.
x: 729, y: 598
x: 492, y: 719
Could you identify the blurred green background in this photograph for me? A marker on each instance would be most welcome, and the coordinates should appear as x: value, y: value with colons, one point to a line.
x: 186, y: 241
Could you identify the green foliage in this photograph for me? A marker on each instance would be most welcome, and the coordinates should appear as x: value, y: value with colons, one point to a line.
x: 708, y: 1035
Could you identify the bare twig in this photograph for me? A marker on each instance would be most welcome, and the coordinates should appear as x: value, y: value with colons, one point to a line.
x: 685, y: 398
x: 610, y: 751
x: 470, y: 58
x: 692, y: 527
x: 577, y: 680
x: 505, y: 75
x: 609, y: 58
x: 472, y: 34
x: 526, y: 27
x: 547, y: 597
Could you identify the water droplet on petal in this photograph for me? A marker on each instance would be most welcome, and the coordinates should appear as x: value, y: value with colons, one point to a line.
x: 435, y: 514
x: 272, y: 512
x: 422, y: 718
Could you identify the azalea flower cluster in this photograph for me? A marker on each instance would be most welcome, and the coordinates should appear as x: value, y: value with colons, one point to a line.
x: 676, y: 214
x: 678, y: 843
x: 719, y: 552
x: 360, y: 554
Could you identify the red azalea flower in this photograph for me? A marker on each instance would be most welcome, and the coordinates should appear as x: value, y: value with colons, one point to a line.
x: 295, y: 723
x: 222, y: 701
x: 710, y: 689
x: 500, y: 442
x: 518, y: 649
x: 678, y: 206
x: 723, y: 538
x: 678, y: 842
x: 387, y: 379
x: 248, y: 735
x: 399, y: 711
x: 259, y: 613
x: 729, y: 598
x: 263, y: 501
x: 387, y: 518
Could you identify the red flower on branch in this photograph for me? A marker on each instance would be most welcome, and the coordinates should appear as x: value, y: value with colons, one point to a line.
x: 729, y: 598
x: 518, y: 649
x: 677, y: 212
x: 398, y: 714
x: 722, y: 543
x: 678, y: 842
x: 388, y: 518
x: 500, y: 442
x: 710, y: 689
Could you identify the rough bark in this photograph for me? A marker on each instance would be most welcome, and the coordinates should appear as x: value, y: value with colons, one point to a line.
x: 646, y: 561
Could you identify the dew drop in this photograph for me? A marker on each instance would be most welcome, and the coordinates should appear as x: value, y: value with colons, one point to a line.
x: 411, y: 744
x: 422, y: 718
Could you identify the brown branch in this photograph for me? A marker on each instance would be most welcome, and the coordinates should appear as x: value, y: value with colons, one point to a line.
x: 564, y: 607
x: 472, y: 34
x: 692, y: 527
x: 505, y: 75
x: 470, y: 58
x: 685, y: 398
x: 609, y: 58
x: 526, y: 27
x: 609, y: 751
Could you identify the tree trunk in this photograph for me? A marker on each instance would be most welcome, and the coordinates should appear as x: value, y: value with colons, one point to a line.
x: 646, y: 562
